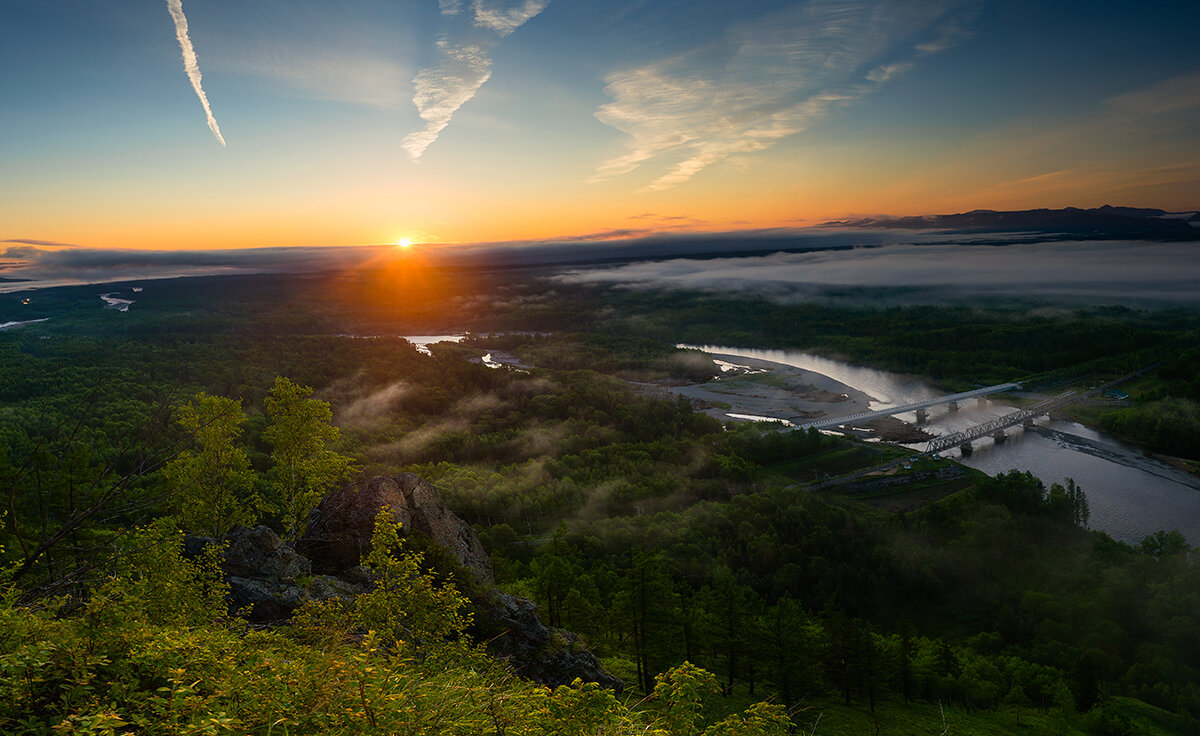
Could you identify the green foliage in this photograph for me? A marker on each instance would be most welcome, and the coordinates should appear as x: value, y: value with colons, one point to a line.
x: 581, y: 709
x: 211, y: 484
x: 154, y: 581
x: 134, y: 676
x: 405, y: 604
x: 683, y: 543
x: 1171, y: 424
x: 304, y: 466
x: 1024, y: 493
x: 682, y: 693
x: 760, y: 719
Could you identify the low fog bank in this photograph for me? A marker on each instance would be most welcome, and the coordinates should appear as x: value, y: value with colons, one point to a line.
x: 39, y: 264
x: 785, y: 264
x: 1138, y: 272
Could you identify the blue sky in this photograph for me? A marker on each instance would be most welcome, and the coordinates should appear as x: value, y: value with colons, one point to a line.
x: 487, y: 120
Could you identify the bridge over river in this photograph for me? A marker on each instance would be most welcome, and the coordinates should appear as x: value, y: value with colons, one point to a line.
x: 996, y: 426
x: 919, y: 407
x: 1025, y: 417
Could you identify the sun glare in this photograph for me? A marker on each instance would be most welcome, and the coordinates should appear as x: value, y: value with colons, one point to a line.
x: 403, y: 242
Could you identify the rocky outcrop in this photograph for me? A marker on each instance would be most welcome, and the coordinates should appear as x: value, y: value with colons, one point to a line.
x: 339, y: 534
x: 269, y: 580
x: 339, y: 529
x: 547, y: 655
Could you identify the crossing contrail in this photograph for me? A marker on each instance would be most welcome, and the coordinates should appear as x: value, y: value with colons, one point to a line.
x: 190, y: 65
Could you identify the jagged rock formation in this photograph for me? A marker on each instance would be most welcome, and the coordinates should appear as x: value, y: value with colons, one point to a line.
x: 547, y: 655
x: 339, y: 529
x: 269, y: 579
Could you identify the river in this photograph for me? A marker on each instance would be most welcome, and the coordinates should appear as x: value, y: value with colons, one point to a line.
x: 1130, y: 495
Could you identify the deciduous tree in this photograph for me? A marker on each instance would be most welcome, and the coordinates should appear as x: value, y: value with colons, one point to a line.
x: 305, y: 464
x: 212, y: 482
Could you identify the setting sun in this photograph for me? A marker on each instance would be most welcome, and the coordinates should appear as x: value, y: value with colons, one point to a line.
x: 403, y: 242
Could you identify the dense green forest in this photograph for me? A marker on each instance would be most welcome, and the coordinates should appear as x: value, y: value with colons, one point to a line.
x: 657, y: 534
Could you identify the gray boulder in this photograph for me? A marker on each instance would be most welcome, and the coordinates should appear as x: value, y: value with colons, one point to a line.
x: 339, y: 529
x: 547, y: 655
x: 268, y: 579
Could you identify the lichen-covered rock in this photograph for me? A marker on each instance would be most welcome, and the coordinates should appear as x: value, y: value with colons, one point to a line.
x: 339, y: 529
x: 261, y: 553
x: 548, y: 655
x: 268, y: 579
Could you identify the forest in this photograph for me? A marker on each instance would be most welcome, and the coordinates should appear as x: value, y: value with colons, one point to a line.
x: 687, y: 555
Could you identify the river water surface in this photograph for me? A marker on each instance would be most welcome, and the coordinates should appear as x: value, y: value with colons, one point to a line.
x: 1130, y: 495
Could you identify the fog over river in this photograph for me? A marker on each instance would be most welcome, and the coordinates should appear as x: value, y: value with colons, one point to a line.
x: 1129, y: 272
x: 1131, y: 495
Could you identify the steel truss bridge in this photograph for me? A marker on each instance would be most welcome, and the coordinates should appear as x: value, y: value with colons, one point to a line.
x: 918, y: 406
x: 996, y: 427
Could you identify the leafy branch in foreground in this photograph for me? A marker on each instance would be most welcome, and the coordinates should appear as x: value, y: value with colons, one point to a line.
x: 152, y: 652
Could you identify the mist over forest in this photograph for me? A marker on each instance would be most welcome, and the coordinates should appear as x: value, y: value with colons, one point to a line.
x: 847, y: 584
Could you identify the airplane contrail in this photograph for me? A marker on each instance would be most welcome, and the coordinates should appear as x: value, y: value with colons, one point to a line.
x: 190, y: 64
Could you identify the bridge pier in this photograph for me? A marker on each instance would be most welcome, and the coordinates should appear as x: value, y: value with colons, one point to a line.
x: 966, y: 449
x: 1027, y: 423
x: 953, y: 406
x: 922, y: 416
x: 999, y: 437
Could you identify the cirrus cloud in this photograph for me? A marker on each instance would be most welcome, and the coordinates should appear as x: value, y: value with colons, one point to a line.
x: 771, y: 78
x: 464, y: 64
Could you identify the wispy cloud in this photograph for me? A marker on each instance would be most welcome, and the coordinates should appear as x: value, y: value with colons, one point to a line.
x: 956, y: 29
x: 191, y: 65
x: 350, y: 75
x: 669, y: 222
x: 1168, y: 96
x: 464, y: 64
x: 1139, y: 146
x: 769, y: 79
x: 505, y: 19
x: 442, y: 89
x: 33, y: 241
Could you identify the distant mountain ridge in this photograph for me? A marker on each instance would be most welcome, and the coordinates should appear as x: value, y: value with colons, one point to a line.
x: 1106, y: 221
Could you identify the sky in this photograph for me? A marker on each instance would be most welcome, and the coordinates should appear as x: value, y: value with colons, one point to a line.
x: 215, y: 124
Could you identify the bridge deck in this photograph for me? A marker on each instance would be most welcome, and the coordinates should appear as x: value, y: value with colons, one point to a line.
x: 868, y: 415
x: 945, y: 442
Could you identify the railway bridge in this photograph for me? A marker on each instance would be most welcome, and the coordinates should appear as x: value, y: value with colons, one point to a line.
x: 1025, y: 417
x: 996, y: 427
